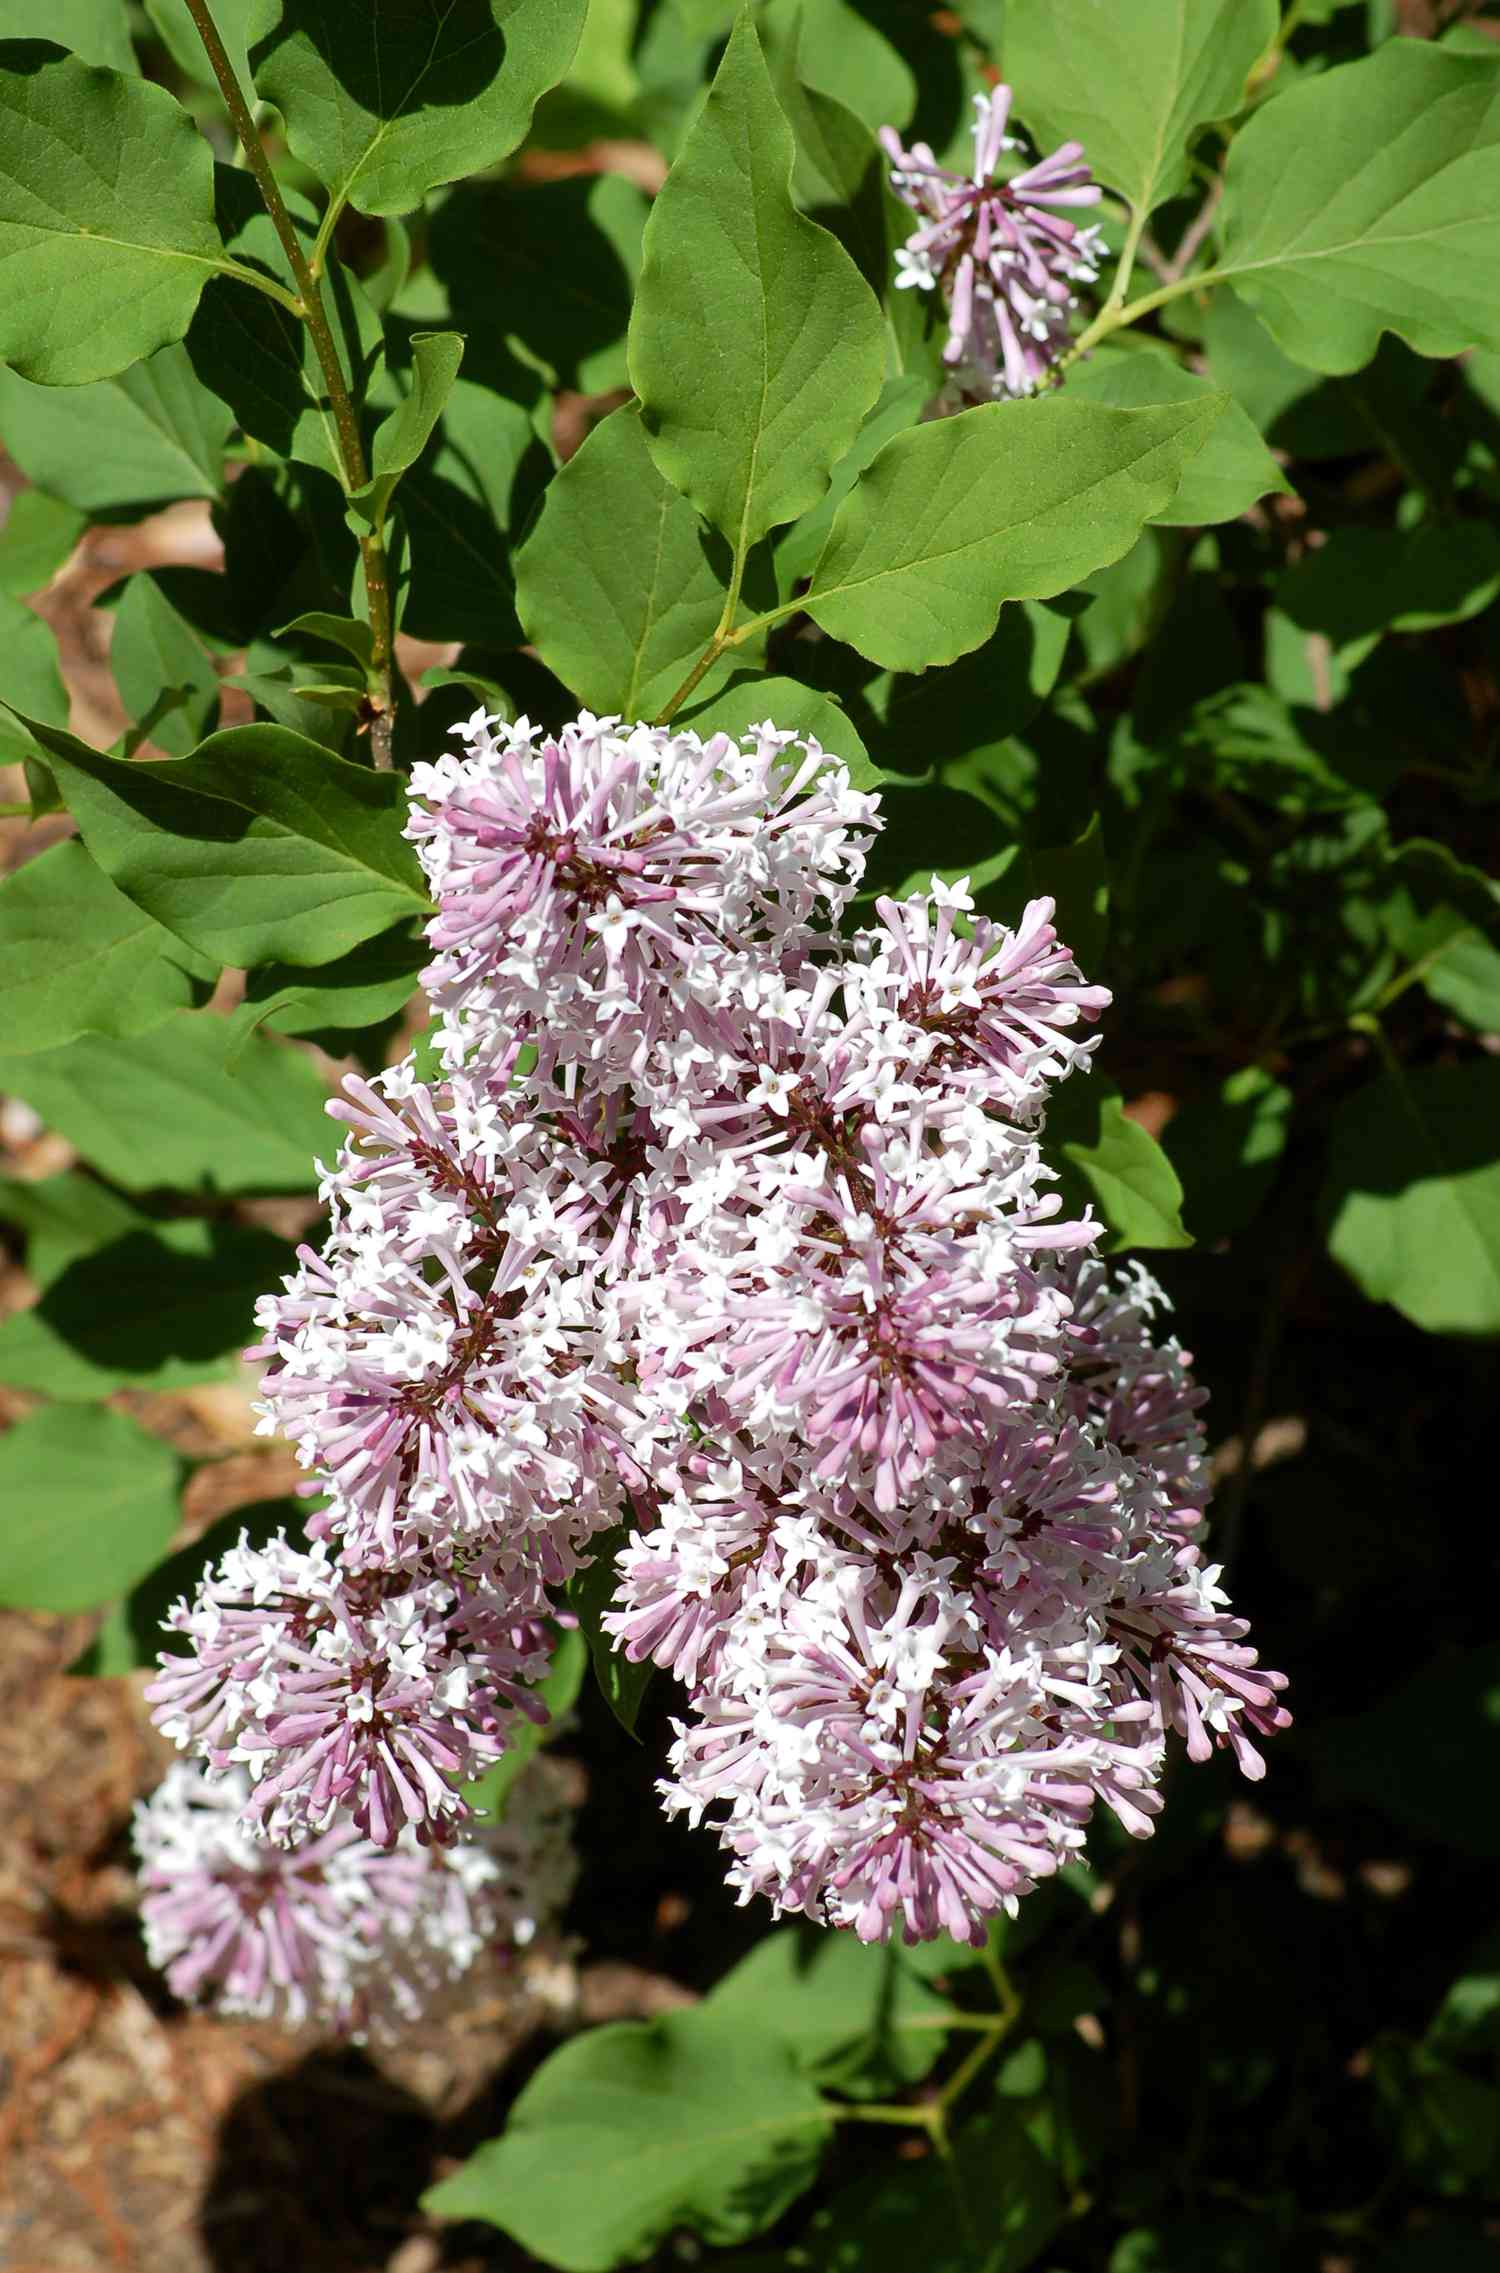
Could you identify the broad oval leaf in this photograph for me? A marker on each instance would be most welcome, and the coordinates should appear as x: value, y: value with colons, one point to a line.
x: 620, y: 617
x: 384, y: 103
x: 755, y: 345
x: 1007, y: 502
x: 1412, y: 1196
x: 161, y: 1307
x: 749, y: 702
x: 146, y: 437
x: 261, y: 846
x: 30, y: 677
x: 106, y: 216
x: 693, y: 2120
x: 78, y: 957
x: 169, y: 1107
x: 1104, y: 1157
x: 96, y: 31
x: 155, y: 653
x: 494, y: 248
x: 1368, y: 200
x: 252, y: 352
x: 1134, y: 83
x: 1228, y: 474
x: 39, y: 536
x: 90, y: 1505
x: 854, y: 2015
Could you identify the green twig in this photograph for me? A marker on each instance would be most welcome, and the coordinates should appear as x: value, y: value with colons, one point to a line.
x: 310, y: 309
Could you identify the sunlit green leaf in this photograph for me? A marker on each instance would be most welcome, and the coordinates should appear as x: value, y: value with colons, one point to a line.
x: 90, y: 1504
x: 384, y: 103
x: 1368, y: 200
x: 755, y: 346
x: 106, y: 217
x: 1007, y: 502
x: 693, y: 2120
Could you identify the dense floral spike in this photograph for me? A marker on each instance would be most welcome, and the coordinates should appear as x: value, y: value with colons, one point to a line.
x: 758, y: 1252
x: 336, y: 1932
x: 1004, y: 254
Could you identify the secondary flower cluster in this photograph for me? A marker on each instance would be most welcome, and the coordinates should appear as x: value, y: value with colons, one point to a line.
x: 336, y: 1931
x: 1003, y: 254
x: 715, y: 1225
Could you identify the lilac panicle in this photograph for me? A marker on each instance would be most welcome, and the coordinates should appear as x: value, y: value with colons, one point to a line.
x: 756, y: 1252
x: 1004, y: 254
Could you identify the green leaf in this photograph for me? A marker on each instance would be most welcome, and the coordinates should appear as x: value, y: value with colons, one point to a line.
x: 257, y: 355
x: 261, y: 846
x: 1412, y: 1196
x: 839, y: 52
x: 1135, y: 84
x: 106, y: 217
x: 494, y: 247
x: 1361, y: 582
x: 384, y: 103
x: 131, y: 1635
x: 755, y: 345
x: 899, y: 408
x: 692, y: 2120
x: 403, y: 436
x: 166, y: 1108
x: 1229, y: 473
x: 90, y: 1501
x: 1368, y: 200
x: 854, y: 2015
x: 1007, y: 502
x: 350, y: 633
x: 622, y: 622
x: 39, y: 535
x: 159, y: 1308
x: 591, y: 1593
x: 558, y: 1690
x: 1226, y: 1148
x: 1468, y: 2019
x: 455, y: 509
x: 154, y: 652
x: 1104, y: 1156
x: 77, y: 957
x: 1306, y: 413
x: 802, y: 709
x: 1464, y: 977
x: 363, y: 988
x: 990, y: 2208
x: 96, y: 31
x: 141, y: 439
x: 175, y: 28
x: 30, y: 677
x: 62, y: 1218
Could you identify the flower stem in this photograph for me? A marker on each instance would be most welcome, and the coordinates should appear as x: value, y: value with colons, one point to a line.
x: 309, y: 307
x: 1115, y: 319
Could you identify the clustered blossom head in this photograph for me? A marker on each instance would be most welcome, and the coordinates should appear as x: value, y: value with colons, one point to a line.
x: 733, y: 1229
x: 1003, y: 254
x: 336, y: 1932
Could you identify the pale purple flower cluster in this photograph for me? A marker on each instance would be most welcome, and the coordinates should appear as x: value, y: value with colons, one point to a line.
x: 716, y: 1224
x: 1003, y: 254
x: 336, y: 1932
